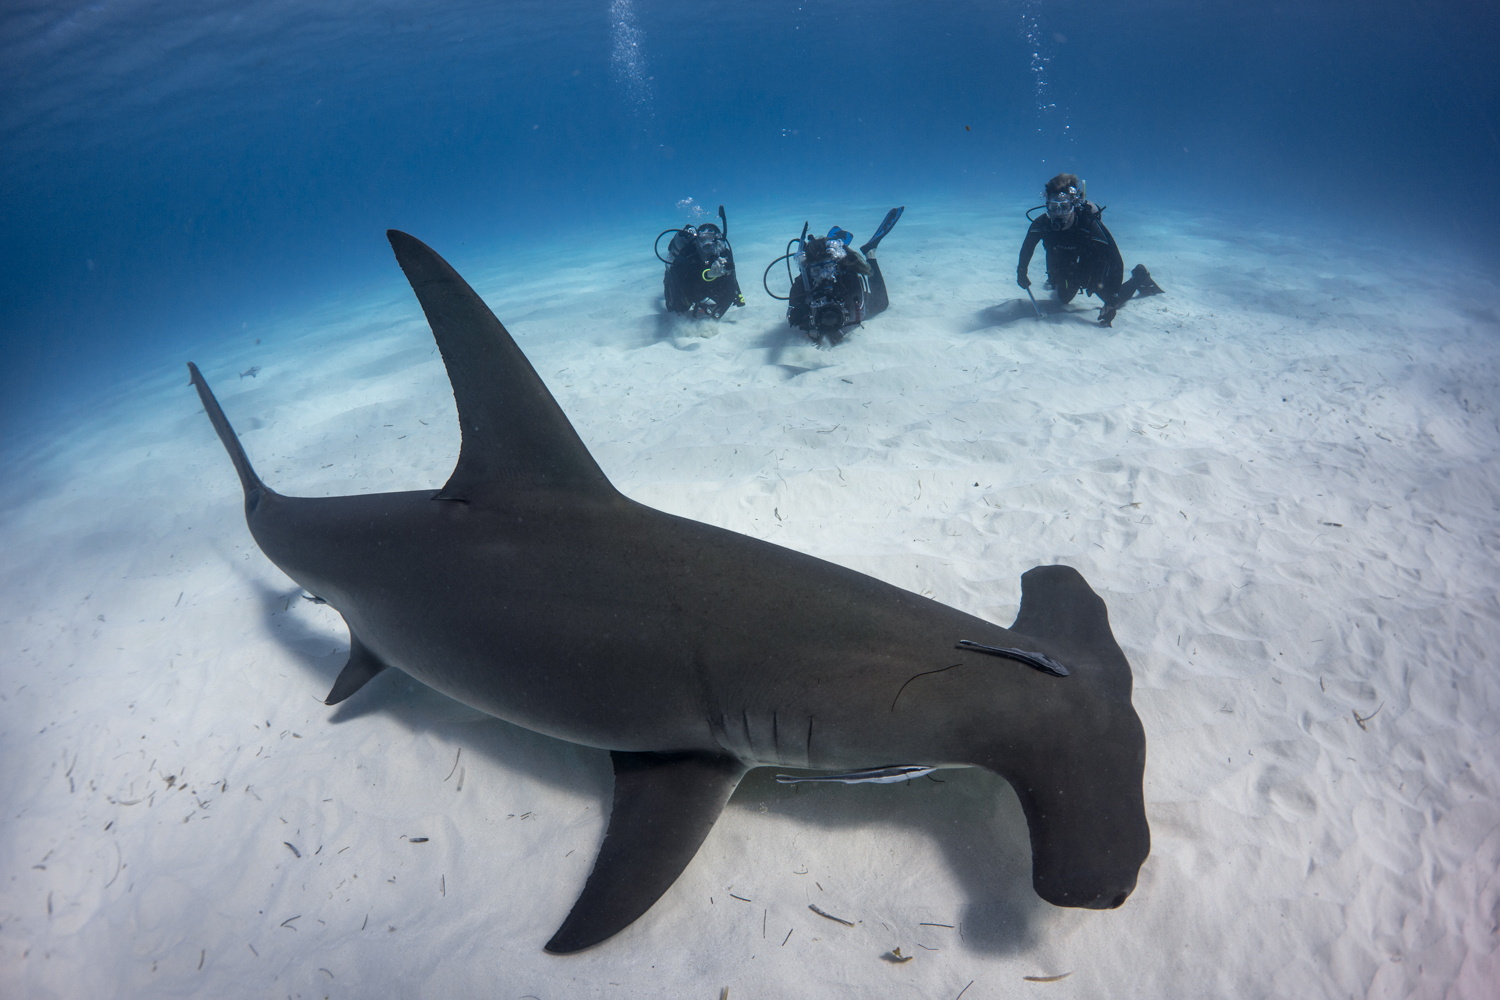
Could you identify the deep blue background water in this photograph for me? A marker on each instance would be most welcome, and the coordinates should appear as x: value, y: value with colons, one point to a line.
x: 172, y: 171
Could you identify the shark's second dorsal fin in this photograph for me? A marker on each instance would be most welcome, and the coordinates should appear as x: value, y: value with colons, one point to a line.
x: 514, y: 433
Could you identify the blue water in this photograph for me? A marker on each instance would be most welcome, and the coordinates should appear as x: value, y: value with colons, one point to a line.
x: 173, y: 175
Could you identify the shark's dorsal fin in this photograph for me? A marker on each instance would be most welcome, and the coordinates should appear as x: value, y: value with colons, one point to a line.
x: 514, y: 433
x: 665, y: 804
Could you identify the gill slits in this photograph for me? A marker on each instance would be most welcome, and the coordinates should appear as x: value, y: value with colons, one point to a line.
x: 763, y: 736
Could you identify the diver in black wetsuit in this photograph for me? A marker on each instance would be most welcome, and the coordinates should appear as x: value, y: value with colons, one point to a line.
x: 1081, y: 253
x: 837, y: 286
x: 700, y: 278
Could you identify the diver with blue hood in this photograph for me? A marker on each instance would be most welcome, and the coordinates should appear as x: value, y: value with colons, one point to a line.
x: 1081, y: 253
x: 700, y: 278
x: 836, y: 286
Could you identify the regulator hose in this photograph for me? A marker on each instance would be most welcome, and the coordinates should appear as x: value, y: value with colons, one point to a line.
x: 766, y: 273
x: 784, y: 257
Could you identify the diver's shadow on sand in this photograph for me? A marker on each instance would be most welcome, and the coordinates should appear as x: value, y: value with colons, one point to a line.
x: 1017, y: 310
x: 777, y: 340
x: 972, y: 815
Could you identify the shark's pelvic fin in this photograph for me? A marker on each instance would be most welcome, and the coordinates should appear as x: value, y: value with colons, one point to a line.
x: 514, y: 433
x: 665, y: 804
x: 363, y: 665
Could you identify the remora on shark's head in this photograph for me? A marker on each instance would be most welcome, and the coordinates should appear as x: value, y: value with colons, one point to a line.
x: 529, y: 588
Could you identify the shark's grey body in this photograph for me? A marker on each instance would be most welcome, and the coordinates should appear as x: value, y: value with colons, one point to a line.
x: 532, y: 590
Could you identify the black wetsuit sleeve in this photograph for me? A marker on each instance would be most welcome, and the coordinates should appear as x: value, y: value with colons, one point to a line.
x: 1028, y: 246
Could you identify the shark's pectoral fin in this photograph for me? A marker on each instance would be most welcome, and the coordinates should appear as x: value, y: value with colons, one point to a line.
x: 362, y: 666
x: 665, y: 804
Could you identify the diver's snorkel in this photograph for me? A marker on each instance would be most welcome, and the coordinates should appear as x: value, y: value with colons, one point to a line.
x: 802, y: 250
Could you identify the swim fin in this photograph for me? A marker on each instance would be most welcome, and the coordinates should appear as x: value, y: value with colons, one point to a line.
x: 1144, y: 285
x: 885, y: 227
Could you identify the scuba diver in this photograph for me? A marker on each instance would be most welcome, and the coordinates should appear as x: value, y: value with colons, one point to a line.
x: 700, y: 279
x: 1081, y: 253
x: 838, y: 286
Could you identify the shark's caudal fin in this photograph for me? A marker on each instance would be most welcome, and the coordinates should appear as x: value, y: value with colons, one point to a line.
x: 514, y: 433
x: 248, y: 479
x: 665, y: 804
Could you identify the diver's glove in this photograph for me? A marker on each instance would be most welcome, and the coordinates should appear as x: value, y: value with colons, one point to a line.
x: 1022, y: 279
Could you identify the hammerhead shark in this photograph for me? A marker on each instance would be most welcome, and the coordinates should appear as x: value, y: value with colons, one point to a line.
x: 531, y: 589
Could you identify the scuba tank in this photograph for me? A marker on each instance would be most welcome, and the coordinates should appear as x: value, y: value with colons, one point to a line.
x: 680, y: 242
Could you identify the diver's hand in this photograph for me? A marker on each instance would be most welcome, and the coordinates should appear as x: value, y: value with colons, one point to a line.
x: 1022, y: 279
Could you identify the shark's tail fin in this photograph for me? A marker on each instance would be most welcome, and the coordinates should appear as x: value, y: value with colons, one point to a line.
x: 248, y: 479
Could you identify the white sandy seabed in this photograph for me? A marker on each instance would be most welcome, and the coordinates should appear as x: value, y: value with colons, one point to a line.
x: 1281, y: 477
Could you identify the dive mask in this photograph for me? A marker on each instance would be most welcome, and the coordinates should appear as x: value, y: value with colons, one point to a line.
x: 1062, y: 204
x: 710, y: 245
